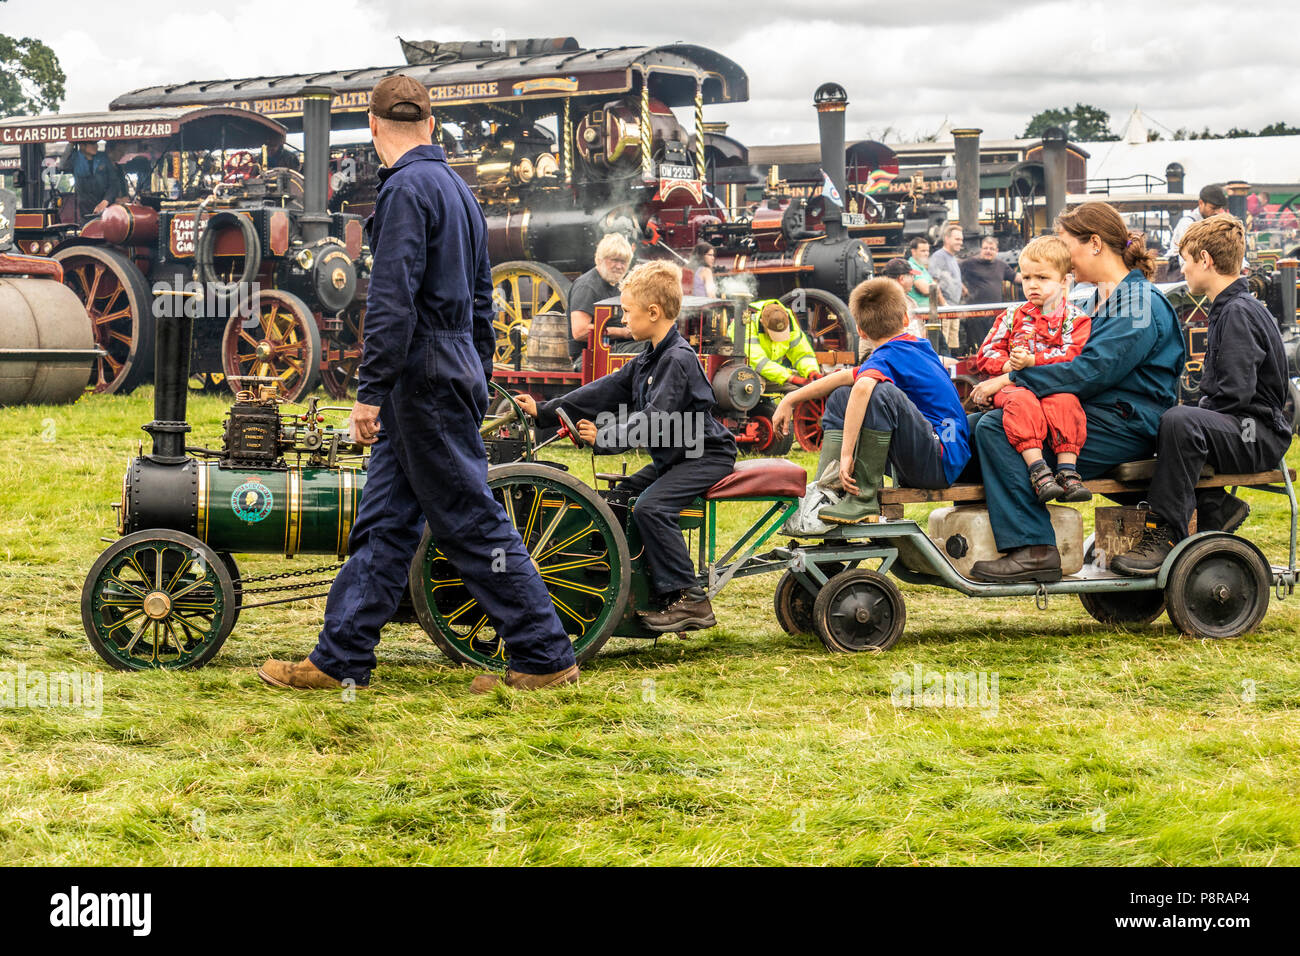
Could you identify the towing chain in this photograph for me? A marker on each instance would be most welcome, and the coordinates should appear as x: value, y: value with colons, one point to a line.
x: 296, y: 586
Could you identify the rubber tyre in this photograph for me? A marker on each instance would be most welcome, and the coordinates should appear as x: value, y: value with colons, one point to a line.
x: 854, y: 594
x: 1197, y: 606
x: 793, y: 606
x: 203, y: 252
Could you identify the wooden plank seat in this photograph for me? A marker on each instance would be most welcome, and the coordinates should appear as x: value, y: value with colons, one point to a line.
x: 1129, y: 477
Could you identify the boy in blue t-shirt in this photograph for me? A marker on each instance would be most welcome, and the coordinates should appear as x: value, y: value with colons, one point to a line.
x: 903, y: 410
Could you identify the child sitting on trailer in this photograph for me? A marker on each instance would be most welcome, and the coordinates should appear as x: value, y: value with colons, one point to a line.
x: 660, y: 400
x: 1045, y: 330
x: 903, y: 409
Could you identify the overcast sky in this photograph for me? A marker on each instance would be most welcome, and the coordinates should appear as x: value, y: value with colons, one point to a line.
x: 907, y: 66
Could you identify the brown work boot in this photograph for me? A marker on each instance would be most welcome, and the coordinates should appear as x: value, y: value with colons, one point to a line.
x: 691, y: 612
x: 485, y: 682
x: 303, y: 675
x: 1034, y: 562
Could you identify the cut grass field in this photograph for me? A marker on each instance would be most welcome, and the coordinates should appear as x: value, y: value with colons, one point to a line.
x: 739, y: 745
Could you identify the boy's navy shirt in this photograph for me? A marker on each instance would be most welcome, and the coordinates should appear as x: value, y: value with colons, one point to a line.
x: 1245, y: 368
x: 666, y: 379
x: 431, y: 275
x: 913, y: 365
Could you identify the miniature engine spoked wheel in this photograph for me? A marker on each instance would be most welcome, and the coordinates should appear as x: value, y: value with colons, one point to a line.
x: 1132, y: 608
x: 793, y: 606
x: 158, y: 599
x: 1218, y: 587
x: 575, y: 544
x: 859, y: 610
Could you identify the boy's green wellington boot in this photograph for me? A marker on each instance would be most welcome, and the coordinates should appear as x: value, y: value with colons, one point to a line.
x: 832, y: 442
x: 869, y: 460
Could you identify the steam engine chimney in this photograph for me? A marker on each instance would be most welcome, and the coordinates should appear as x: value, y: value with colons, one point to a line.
x: 1053, y: 172
x: 1174, y: 177
x: 171, y: 374
x: 1237, y: 193
x: 316, y: 101
x: 967, y: 149
x: 830, y: 101
x: 1287, y: 277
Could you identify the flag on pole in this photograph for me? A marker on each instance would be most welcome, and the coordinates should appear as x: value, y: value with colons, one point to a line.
x: 879, y: 181
x: 829, y: 190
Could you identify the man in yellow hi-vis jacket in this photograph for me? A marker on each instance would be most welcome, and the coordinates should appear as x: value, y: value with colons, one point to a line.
x: 775, y: 346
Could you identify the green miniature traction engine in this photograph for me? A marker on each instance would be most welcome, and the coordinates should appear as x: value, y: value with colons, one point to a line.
x: 167, y: 593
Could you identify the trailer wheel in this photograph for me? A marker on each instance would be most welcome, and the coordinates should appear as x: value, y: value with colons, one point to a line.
x: 1219, y: 587
x: 793, y: 606
x: 575, y: 543
x: 274, y: 336
x: 1130, y: 608
x: 158, y: 599
x: 1124, y: 608
x: 120, y: 307
x: 521, y: 290
x: 859, y: 610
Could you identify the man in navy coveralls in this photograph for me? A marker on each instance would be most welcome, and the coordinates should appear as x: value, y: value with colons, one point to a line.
x: 423, y: 393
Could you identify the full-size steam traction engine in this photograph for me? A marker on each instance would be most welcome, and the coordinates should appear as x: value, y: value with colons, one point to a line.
x: 563, y: 145
x: 212, y: 230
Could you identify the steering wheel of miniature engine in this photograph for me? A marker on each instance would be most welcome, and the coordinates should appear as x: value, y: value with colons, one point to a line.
x: 567, y: 427
x: 239, y: 166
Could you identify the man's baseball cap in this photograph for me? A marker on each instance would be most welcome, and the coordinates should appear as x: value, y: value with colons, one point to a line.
x: 895, y: 268
x: 1214, y: 196
x: 400, y: 98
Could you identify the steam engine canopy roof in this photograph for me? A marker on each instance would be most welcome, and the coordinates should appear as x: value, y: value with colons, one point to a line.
x: 181, y: 127
x: 502, y: 79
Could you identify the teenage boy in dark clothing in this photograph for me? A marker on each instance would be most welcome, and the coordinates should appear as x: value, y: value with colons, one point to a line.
x: 1242, y: 423
x: 660, y: 399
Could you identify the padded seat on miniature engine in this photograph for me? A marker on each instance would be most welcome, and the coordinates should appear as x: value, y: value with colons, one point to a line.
x: 761, y: 478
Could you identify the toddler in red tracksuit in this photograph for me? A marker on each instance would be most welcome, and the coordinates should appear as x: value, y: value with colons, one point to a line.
x: 1044, y: 330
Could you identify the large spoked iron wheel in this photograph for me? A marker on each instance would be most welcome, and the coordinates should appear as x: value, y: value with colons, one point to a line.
x: 158, y: 599
x: 521, y: 290
x: 825, y: 317
x: 1218, y: 588
x: 343, y: 352
x: 859, y: 610
x: 274, y: 338
x: 576, y: 546
x: 807, y: 424
x: 120, y: 307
